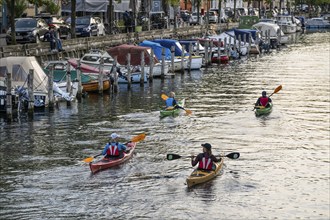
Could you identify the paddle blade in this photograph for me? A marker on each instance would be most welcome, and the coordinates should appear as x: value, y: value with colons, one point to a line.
x: 88, y: 160
x: 172, y: 156
x: 138, y: 138
x: 278, y: 89
x: 164, y: 97
x: 233, y: 155
x: 259, y: 107
x: 188, y: 112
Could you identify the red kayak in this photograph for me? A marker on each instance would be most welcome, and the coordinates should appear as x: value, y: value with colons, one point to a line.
x: 106, y: 163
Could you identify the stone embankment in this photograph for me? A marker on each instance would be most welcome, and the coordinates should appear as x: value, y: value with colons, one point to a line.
x: 78, y: 46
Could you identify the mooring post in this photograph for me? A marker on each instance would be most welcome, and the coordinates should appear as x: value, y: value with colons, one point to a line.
x: 197, y: 45
x: 68, y: 82
x: 129, y: 74
x: 142, y: 69
x: 172, y: 58
x: 115, y: 75
x: 50, y: 88
x: 9, y: 99
x: 190, y: 56
x: 162, y: 74
x: 210, y: 51
x: 151, y: 66
x: 206, y: 55
x: 219, y: 51
x: 31, y: 93
x: 182, y: 59
x: 79, y: 91
x: 101, y: 76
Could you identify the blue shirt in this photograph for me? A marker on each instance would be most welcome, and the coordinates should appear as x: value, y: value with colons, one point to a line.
x: 170, y: 102
x: 121, y: 147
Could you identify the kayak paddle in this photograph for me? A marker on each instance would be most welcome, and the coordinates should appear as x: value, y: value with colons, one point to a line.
x: 233, y: 155
x: 275, y: 91
x: 137, y: 138
x: 188, y: 112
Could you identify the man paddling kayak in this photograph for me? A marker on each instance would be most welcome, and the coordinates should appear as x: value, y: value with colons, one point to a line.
x: 263, y: 100
x: 205, y: 159
x: 114, y: 149
x: 171, y: 103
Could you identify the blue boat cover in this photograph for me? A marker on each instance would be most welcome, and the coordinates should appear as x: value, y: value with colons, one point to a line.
x: 157, y: 48
x: 187, y: 43
x: 168, y: 43
x: 247, y: 32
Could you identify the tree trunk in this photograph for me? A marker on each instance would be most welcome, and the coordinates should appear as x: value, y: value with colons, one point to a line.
x: 12, y: 22
x: 73, y: 19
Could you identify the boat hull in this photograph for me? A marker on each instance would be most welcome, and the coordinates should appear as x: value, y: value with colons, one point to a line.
x: 135, y: 78
x: 93, y: 86
x: 202, y: 176
x: 264, y: 111
x: 172, y: 112
x: 106, y: 163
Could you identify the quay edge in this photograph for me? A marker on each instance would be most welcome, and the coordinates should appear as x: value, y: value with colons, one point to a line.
x: 79, y: 46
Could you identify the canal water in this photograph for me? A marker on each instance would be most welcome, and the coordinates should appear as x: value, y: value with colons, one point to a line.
x: 283, y: 169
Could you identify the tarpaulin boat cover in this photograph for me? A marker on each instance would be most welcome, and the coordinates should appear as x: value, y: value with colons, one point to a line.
x: 121, y: 52
x: 157, y: 48
x: 19, y: 68
x: 168, y: 43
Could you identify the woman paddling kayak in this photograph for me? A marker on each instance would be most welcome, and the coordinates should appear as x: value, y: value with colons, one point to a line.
x: 205, y: 159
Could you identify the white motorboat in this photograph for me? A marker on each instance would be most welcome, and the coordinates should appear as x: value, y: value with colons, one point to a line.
x: 276, y: 35
x: 287, y: 24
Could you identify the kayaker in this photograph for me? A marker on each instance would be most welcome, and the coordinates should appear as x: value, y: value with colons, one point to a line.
x: 170, y: 101
x: 205, y: 159
x: 263, y: 100
x: 114, y: 148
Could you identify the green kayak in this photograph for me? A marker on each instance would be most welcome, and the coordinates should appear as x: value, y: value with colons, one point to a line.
x: 172, y: 111
x: 263, y: 111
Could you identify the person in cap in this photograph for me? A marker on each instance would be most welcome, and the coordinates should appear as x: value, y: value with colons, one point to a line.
x: 114, y: 149
x: 264, y: 100
x: 170, y: 101
x: 205, y: 160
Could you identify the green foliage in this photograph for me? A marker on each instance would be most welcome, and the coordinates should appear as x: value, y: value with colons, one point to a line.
x: 173, y: 3
x: 51, y: 7
x: 20, y: 7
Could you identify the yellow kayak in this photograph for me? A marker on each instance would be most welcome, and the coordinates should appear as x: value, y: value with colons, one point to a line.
x: 202, y: 176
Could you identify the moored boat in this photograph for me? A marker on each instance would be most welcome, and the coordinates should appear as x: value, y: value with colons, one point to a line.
x: 172, y: 111
x: 264, y: 110
x: 199, y: 176
x: 106, y: 163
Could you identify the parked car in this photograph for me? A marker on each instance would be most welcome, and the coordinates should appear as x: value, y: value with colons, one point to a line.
x: 194, y: 19
x: 223, y: 16
x: 28, y: 30
x: 64, y: 29
x: 158, y: 20
x: 88, y: 26
x: 212, y: 16
x: 185, y: 15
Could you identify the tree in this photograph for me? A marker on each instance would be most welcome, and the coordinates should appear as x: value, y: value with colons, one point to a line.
x: 73, y: 18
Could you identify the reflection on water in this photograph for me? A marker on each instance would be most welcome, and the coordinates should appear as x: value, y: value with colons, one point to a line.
x: 284, y: 158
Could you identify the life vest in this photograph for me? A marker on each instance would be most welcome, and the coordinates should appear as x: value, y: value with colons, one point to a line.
x: 263, y: 101
x: 169, y: 102
x: 113, y: 149
x: 205, y: 164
